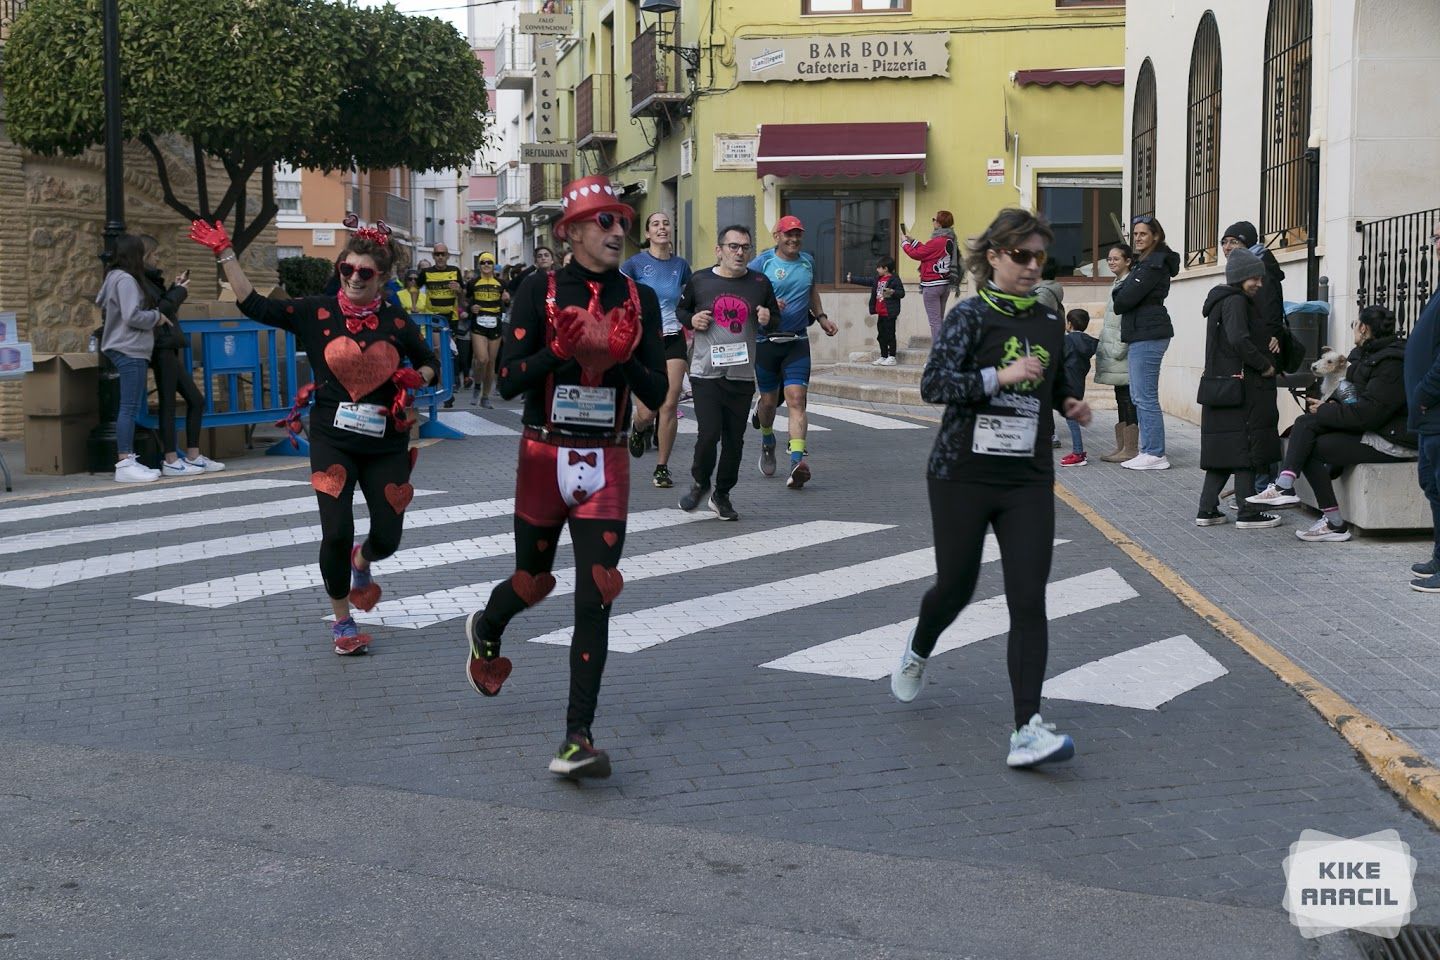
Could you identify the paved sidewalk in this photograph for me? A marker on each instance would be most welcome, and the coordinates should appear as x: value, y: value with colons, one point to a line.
x: 1343, y: 611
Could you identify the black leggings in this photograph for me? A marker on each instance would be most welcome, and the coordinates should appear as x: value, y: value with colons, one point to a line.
x: 1313, y: 450
x: 722, y: 409
x: 170, y: 378
x: 374, y: 473
x: 1124, y: 406
x: 885, y: 334
x: 1023, y: 518
x: 598, y: 545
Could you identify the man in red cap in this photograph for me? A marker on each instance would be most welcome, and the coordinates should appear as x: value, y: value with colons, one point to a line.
x: 582, y: 340
x: 782, y: 356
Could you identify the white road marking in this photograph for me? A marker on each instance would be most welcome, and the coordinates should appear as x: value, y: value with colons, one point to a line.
x: 224, y: 591
x: 115, y: 530
x: 473, y: 425
x: 860, y: 418
x: 162, y: 492
x: 49, y: 575
x: 1143, y: 678
x: 438, y: 606
x: 872, y: 654
x: 781, y: 425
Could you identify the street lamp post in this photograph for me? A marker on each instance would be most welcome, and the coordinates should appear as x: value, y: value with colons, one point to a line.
x: 114, y: 142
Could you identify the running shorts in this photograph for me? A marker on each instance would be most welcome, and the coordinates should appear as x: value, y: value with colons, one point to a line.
x: 676, y: 348
x: 784, y: 363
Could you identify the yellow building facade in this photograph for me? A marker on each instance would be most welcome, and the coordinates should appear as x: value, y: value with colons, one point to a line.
x: 705, y: 112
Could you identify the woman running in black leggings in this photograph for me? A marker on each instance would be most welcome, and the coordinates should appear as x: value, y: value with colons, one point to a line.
x: 998, y: 368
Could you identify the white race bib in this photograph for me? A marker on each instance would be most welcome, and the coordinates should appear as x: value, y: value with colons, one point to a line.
x: 577, y: 406
x: 729, y: 354
x: 1000, y: 436
x: 487, y: 320
x: 367, y: 419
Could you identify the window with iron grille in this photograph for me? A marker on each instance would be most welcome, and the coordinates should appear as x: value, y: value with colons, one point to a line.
x: 1202, y: 180
x: 1284, y: 173
x: 1142, y: 143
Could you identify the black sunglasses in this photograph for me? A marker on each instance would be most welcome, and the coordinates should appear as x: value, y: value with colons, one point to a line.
x: 1144, y: 218
x: 606, y: 220
x: 1024, y: 257
x: 366, y: 273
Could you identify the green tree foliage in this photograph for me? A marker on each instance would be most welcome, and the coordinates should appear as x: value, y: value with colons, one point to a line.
x: 316, y: 84
x: 305, y: 276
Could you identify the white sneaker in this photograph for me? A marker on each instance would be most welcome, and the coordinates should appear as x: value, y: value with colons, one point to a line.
x: 181, y: 468
x: 131, y: 470
x: 909, y: 675
x: 1147, y: 461
x: 1323, y: 531
x: 1273, y: 496
x: 206, y: 464
x: 890, y: 361
x: 878, y: 362
x: 1037, y: 743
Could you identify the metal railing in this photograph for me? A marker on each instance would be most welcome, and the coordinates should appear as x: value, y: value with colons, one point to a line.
x: 398, y: 212
x: 654, y: 72
x: 1284, y: 174
x: 1202, y: 181
x: 1399, y: 265
x: 546, y: 182
x: 512, y: 188
x: 9, y: 11
x: 514, y: 53
x: 595, y: 108
x: 1142, y: 144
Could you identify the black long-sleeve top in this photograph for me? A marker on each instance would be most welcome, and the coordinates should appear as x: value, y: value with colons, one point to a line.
x: 528, y: 366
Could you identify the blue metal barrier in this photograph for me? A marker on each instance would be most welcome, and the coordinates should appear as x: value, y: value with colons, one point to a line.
x: 436, y: 331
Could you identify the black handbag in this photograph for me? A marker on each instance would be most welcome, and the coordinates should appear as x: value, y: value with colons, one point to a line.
x: 1221, y: 392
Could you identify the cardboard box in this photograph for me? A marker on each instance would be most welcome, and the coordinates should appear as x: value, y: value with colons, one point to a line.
x: 223, y: 443
x: 57, y: 445
x: 194, y: 310
x: 63, y: 385
x: 16, y: 360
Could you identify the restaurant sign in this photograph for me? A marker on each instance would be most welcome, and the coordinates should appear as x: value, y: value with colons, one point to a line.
x: 866, y: 57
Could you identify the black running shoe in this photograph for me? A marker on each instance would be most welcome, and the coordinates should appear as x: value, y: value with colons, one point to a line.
x: 577, y: 757
x: 720, y: 503
x: 1210, y: 518
x: 694, y: 498
x: 638, y: 441
x: 661, y: 478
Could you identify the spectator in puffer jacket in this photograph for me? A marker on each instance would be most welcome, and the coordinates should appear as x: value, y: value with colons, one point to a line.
x: 1111, y: 366
x: 1145, y: 326
x: 1422, y: 390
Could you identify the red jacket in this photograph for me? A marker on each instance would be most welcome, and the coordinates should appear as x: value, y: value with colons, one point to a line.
x: 934, y: 256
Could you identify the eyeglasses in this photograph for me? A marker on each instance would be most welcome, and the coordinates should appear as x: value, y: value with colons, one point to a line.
x: 366, y: 273
x: 1024, y: 258
x: 607, y: 220
x: 736, y: 247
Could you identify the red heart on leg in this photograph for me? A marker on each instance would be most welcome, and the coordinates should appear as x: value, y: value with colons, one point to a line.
x: 532, y: 587
x: 610, y: 537
x: 399, y: 496
x: 610, y: 582
x: 331, y: 480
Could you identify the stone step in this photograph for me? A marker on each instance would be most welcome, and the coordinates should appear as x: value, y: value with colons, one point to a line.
x: 869, y: 391
x: 900, y: 373
x: 913, y: 356
x: 919, y: 343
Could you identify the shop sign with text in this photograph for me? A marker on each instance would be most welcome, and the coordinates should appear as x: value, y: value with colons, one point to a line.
x: 865, y: 57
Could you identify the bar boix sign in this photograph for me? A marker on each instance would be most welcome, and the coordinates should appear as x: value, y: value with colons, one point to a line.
x: 862, y: 57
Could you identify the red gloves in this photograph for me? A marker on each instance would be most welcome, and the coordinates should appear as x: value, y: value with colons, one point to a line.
x: 292, y: 422
x: 408, y: 378
x: 624, y: 333
x: 207, y: 236
x: 569, y: 329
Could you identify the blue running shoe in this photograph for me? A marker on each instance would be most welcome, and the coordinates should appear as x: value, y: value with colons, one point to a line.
x: 1037, y: 743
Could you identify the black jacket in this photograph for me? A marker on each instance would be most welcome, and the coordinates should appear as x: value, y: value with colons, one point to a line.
x: 892, y: 304
x: 167, y: 335
x: 1080, y: 349
x: 1140, y: 300
x: 1243, y: 437
x: 1374, y: 399
x: 1422, y: 370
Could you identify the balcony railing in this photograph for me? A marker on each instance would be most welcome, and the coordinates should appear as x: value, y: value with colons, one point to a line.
x: 514, y: 61
x: 512, y: 190
x: 595, y: 110
x: 1399, y: 265
x: 9, y: 11
x: 655, y: 75
x: 398, y: 212
x: 547, y: 180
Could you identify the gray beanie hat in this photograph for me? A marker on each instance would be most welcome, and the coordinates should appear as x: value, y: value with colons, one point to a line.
x: 1241, y: 265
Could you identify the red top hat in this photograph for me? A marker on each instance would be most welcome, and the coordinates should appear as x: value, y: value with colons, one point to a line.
x: 584, y: 198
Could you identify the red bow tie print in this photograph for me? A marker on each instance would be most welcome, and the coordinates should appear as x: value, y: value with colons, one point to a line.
x: 586, y: 458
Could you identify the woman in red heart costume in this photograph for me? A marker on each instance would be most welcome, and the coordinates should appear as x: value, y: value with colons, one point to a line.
x: 583, y: 340
x: 360, y: 426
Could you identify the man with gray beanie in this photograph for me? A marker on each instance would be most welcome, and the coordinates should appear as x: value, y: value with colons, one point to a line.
x: 1237, y: 423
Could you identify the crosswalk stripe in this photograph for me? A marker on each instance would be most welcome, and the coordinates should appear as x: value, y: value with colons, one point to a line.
x: 782, y: 425
x: 872, y: 654
x: 224, y: 591
x: 1142, y: 678
x: 115, y: 530
x: 438, y: 606
x: 473, y: 425
x: 860, y: 417
x: 158, y: 493
x: 45, y: 576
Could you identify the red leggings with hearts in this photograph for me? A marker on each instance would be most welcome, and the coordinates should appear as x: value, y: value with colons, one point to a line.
x: 384, y: 481
x: 597, y: 530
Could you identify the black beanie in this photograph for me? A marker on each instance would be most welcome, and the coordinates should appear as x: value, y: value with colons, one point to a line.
x: 1244, y: 231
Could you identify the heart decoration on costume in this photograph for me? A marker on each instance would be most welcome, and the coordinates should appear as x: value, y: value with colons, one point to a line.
x: 399, y: 495
x: 488, y: 675
x: 610, y: 537
x: 321, y: 313
x: 531, y: 587
x: 361, y: 370
x: 592, y: 349
x: 579, y: 495
x: 610, y: 582
x: 365, y: 597
x: 542, y: 545
x: 331, y: 480
x: 519, y: 333
x: 399, y: 323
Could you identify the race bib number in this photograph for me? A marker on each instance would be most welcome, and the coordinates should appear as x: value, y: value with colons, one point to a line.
x: 488, y: 321
x: 729, y: 354
x: 577, y: 406
x: 1000, y: 436
x: 367, y: 419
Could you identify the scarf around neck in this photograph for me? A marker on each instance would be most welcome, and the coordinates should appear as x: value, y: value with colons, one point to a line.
x: 358, y: 316
x: 1009, y: 304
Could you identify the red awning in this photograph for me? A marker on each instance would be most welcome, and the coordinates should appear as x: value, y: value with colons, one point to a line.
x: 1071, y: 77
x: 840, y: 149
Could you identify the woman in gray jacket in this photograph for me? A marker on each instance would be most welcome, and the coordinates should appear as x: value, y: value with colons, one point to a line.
x: 1112, y: 367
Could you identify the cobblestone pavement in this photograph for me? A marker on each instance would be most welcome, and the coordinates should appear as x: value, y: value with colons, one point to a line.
x: 769, y: 724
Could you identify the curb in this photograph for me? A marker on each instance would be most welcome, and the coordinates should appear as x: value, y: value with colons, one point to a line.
x: 1396, y: 763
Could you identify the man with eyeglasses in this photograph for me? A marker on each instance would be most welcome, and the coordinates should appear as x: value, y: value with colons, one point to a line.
x: 782, y: 356
x: 1422, y: 392
x: 582, y: 340
x: 726, y: 305
x: 441, y: 281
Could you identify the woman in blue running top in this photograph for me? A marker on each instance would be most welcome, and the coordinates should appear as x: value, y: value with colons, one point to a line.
x: 658, y: 268
x: 998, y: 368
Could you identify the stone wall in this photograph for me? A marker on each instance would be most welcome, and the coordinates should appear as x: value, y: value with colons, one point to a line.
x: 51, y: 235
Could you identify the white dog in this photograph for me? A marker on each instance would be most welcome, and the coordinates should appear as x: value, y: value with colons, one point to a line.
x: 1331, y: 370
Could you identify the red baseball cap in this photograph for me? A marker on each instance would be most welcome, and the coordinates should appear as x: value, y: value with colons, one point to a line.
x: 788, y: 223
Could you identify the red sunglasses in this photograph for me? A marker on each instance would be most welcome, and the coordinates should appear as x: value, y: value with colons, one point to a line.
x: 366, y: 273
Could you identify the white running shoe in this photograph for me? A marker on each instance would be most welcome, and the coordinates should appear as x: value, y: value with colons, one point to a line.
x: 878, y: 362
x: 181, y: 468
x: 909, y: 675
x: 1323, y: 531
x: 131, y: 470
x: 890, y: 361
x: 1147, y: 461
x: 1037, y: 743
x: 1273, y: 496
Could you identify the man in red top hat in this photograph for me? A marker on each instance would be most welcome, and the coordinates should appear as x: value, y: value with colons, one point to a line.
x: 582, y: 340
